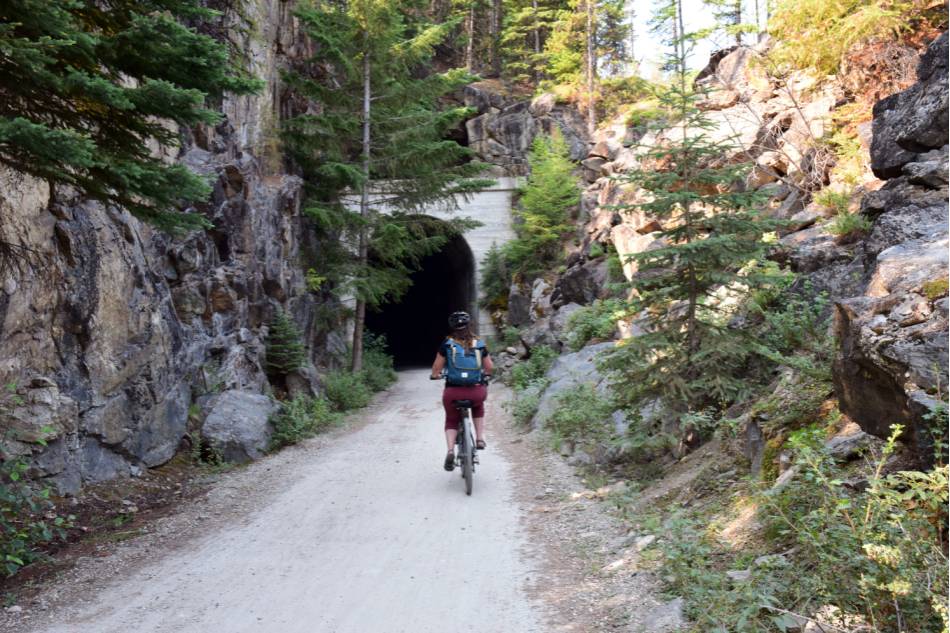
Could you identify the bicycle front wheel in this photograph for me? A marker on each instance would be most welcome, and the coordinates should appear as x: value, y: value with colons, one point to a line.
x: 467, y: 451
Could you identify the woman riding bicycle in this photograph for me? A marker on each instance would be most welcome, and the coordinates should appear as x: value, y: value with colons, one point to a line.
x: 461, y: 334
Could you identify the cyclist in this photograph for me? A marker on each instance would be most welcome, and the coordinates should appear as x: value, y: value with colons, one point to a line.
x: 460, y: 333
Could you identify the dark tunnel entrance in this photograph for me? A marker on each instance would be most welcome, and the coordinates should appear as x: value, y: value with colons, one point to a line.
x: 416, y: 325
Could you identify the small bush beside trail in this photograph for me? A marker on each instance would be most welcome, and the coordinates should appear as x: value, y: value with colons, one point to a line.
x: 28, y: 519
x: 301, y: 418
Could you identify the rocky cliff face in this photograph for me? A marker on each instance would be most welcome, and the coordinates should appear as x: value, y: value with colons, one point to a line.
x: 504, y: 127
x: 892, y: 361
x: 889, y: 287
x: 111, y: 332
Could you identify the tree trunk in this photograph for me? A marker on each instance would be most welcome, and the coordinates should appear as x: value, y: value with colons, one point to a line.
x: 496, y: 10
x: 359, y: 321
x: 470, y: 33
x: 737, y: 17
x: 536, y: 32
x: 591, y: 69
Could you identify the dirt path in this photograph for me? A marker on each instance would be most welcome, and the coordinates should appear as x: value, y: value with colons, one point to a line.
x: 362, y: 531
x: 367, y: 533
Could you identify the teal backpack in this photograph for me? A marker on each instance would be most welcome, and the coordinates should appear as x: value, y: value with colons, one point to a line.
x: 463, y: 368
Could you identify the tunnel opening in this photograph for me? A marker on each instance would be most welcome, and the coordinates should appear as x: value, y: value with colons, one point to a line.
x: 416, y: 324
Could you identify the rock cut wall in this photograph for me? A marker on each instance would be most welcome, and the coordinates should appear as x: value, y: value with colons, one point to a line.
x: 110, y: 332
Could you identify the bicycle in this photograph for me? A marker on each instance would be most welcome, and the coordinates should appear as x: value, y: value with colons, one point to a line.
x: 466, y: 453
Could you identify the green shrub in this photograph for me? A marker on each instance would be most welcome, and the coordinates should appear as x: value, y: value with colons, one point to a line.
x: 532, y: 368
x: 596, y: 321
x: 837, y: 201
x: 346, y: 390
x: 878, y: 554
x: 301, y: 418
x: 596, y: 250
x: 284, y: 345
x: 875, y: 555
x: 378, y: 372
x: 28, y: 519
x: 524, y: 405
x: 496, y: 279
x: 581, y: 414
x: 845, y: 224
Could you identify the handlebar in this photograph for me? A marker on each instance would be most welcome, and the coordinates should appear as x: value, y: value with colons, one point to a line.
x: 486, y: 378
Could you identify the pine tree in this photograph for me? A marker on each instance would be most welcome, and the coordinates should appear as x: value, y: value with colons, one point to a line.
x: 285, y: 351
x: 542, y: 216
x: 379, y: 134
x: 86, y: 89
x: 527, y: 26
x: 728, y: 17
x: 713, y: 232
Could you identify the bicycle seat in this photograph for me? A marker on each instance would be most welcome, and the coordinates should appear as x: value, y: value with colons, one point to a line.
x: 462, y: 404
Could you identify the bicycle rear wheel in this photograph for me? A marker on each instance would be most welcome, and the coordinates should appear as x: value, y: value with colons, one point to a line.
x: 466, y: 452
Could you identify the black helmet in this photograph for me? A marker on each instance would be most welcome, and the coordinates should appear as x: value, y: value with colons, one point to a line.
x: 458, y: 320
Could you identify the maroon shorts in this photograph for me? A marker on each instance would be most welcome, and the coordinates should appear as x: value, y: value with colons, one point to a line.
x: 475, y: 393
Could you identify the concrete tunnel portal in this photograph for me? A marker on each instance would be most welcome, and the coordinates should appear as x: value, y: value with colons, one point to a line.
x: 415, y: 325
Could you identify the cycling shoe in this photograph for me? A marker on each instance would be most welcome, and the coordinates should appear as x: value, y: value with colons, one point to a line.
x: 449, y: 462
x: 480, y: 445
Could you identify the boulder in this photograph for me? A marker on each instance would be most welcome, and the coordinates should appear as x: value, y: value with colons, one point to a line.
x: 540, y: 299
x: 237, y: 425
x: 570, y: 370
x: 581, y: 284
x: 519, y: 306
x: 913, y: 121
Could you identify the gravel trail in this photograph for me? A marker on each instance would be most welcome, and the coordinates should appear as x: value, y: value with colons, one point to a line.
x: 360, y: 532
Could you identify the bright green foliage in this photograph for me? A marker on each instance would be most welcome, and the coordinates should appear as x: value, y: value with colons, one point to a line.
x: 581, y: 414
x: 301, y: 418
x: 496, y: 279
x: 686, y: 292
x: 527, y: 28
x: 875, y: 554
x: 879, y: 553
x: 524, y: 405
x: 285, y: 349
x: 849, y: 224
x: 814, y: 35
x: 378, y: 372
x: 596, y: 321
x: 543, y: 213
x: 87, y: 88
x: 28, y: 519
x: 566, y: 49
x: 412, y: 164
x: 533, y: 368
x: 347, y: 390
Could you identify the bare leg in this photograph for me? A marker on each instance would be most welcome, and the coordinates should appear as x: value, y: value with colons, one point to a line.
x: 479, y: 428
x: 450, y: 435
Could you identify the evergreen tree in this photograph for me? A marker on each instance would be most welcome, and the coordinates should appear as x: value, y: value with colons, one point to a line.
x: 527, y: 27
x: 590, y: 39
x: 285, y: 351
x: 543, y: 212
x: 729, y: 19
x: 378, y: 133
x: 713, y: 232
x: 87, y: 88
